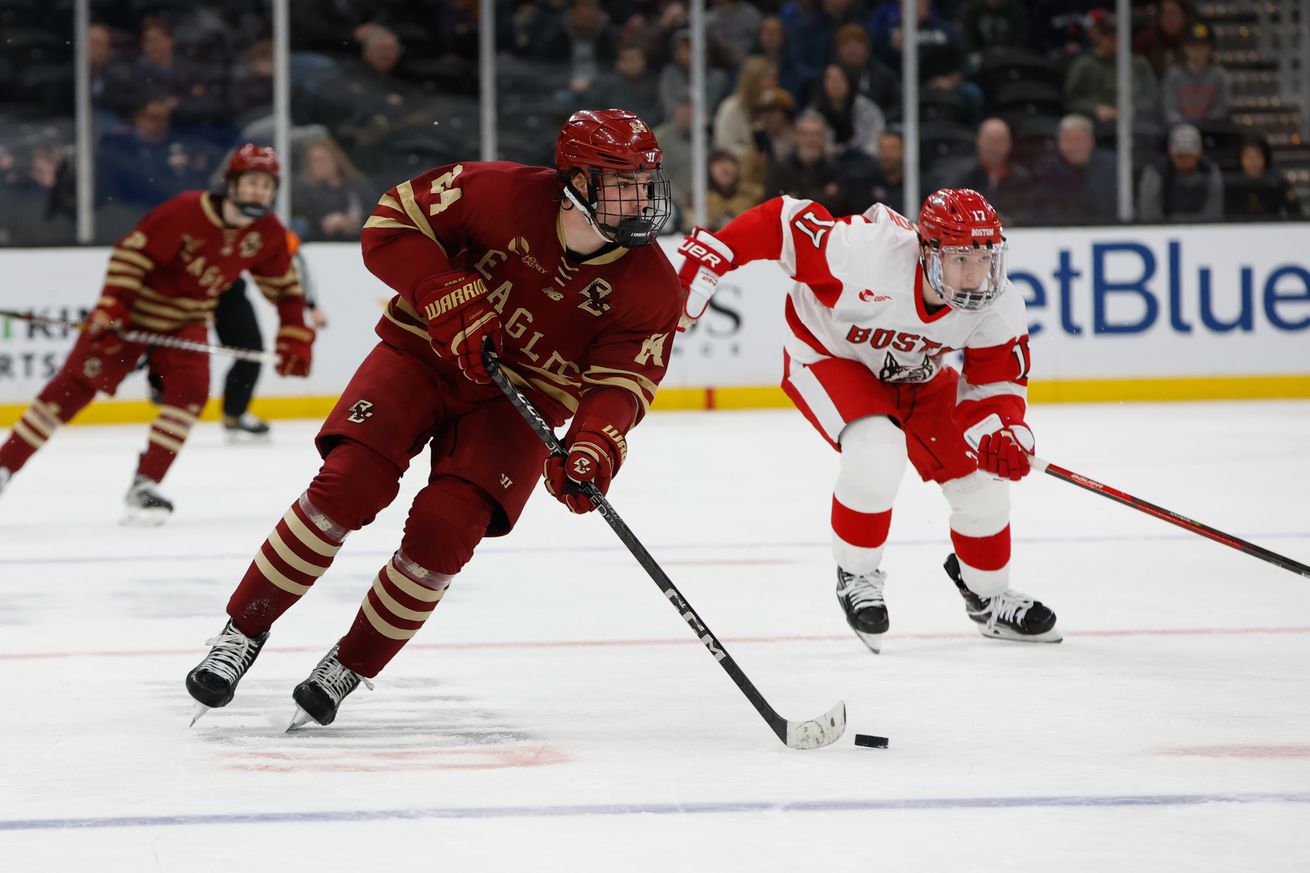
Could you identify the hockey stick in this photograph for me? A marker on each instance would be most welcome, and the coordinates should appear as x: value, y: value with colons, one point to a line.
x: 151, y: 339
x: 1166, y: 515
x: 812, y: 734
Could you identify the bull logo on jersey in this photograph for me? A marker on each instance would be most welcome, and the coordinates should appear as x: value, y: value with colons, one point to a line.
x: 894, y: 371
x: 361, y: 412
x: 251, y: 245
x: 593, y: 297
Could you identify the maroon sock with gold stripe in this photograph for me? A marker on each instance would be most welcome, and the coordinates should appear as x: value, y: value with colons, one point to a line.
x: 298, y: 551
x: 401, y: 599
x: 63, y: 398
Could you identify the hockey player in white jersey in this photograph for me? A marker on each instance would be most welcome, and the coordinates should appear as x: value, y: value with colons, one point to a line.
x: 877, y: 307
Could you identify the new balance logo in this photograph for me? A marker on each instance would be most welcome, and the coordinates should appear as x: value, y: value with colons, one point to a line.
x: 361, y: 412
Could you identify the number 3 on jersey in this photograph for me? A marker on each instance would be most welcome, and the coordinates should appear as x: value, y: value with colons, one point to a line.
x: 812, y: 226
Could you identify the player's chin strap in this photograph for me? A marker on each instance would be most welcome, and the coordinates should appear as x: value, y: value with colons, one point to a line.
x: 586, y: 212
x: 1168, y: 515
x: 812, y: 734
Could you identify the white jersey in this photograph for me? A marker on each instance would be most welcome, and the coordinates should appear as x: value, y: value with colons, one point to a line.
x: 857, y: 296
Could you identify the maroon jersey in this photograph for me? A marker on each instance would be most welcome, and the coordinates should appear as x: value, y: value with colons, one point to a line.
x: 572, y: 325
x: 173, y: 265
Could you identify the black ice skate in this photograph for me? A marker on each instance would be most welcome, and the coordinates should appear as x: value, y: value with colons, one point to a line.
x: 214, y: 680
x: 246, y: 428
x: 146, y: 507
x: 319, y: 696
x: 860, y: 597
x: 1008, y: 615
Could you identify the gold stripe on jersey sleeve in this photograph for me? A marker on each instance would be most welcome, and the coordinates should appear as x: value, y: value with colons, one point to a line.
x: 379, y: 221
x: 382, y: 626
x: 411, y: 208
x: 165, y: 310
x: 132, y: 258
x: 287, y: 278
x: 155, y: 323
x: 116, y: 266
x: 127, y: 282
x: 391, y: 203
x: 179, y: 302
x: 599, y: 374
x: 417, y: 331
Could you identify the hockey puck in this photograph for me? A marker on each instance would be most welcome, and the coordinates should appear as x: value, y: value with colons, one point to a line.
x: 871, y: 741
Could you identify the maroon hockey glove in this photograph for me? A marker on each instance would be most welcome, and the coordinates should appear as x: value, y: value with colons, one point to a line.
x: 459, y: 317
x: 295, y: 350
x: 596, y: 450
x: 705, y: 259
x: 1001, y: 455
x: 103, y: 324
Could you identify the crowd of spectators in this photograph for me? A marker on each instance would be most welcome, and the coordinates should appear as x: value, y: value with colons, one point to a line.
x: 1018, y: 99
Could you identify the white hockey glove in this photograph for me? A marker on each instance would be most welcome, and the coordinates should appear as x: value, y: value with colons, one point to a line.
x: 705, y: 259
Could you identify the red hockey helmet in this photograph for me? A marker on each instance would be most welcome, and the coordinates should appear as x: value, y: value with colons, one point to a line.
x: 960, y: 234
x: 600, y: 143
x: 251, y: 158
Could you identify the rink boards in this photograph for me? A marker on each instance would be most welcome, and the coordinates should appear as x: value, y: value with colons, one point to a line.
x: 1143, y: 313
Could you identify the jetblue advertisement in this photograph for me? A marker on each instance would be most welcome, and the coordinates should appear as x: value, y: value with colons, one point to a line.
x: 1103, y: 303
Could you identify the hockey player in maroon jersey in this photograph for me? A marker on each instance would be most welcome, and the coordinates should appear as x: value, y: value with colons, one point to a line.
x: 876, y: 307
x: 554, y: 267
x: 165, y: 277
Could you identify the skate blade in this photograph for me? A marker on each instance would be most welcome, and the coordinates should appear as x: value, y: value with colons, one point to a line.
x: 196, y: 713
x: 238, y: 438
x: 873, y: 641
x: 1051, y: 636
x: 299, y: 720
x: 145, y: 517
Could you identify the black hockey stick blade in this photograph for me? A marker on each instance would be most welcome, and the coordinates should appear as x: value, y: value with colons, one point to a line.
x: 813, y: 734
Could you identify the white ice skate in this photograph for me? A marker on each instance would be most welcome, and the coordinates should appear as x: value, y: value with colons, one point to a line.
x: 146, y: 507
x: 246, y: 428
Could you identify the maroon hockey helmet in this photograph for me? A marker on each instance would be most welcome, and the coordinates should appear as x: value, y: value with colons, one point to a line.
x: 958, y: 227
x: 600, y: 144
x: 251, y: 158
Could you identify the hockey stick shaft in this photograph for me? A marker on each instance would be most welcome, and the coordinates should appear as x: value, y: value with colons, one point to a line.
x: 776, y: 722
x: 151, y: 339
x: 1173, y: 518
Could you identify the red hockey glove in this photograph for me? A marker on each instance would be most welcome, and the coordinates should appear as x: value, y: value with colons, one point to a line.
x: 595, y: 450
x: 103, y: 324
x: 705, y: 259
x: 295, y: 350
x: 459, y: 317
x: 1003, y: 450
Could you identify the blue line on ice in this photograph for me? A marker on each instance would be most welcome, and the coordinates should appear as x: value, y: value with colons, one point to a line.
x: 363, y: 815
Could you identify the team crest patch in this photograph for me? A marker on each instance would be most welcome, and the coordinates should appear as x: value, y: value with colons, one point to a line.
x: 251, y: 244
x: 361, y: 412
x: 593, y: 297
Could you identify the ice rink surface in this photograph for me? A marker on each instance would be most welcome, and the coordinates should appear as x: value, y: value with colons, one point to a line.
x: 556, y: 714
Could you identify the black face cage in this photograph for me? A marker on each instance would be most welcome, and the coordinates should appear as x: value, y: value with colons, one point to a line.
x: 628, y: 227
